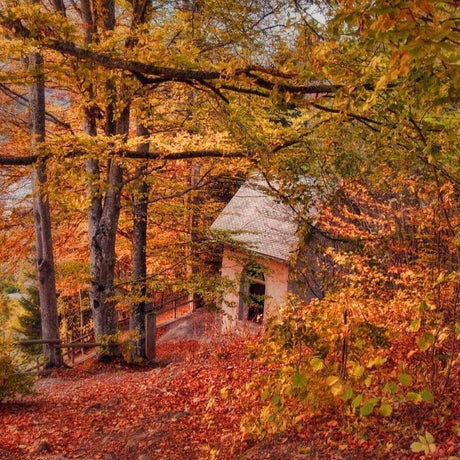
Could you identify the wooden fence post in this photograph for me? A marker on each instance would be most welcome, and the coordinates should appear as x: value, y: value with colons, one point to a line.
x: 150, y: 336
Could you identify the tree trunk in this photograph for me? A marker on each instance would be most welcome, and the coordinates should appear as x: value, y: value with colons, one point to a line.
x: 103, y: 223
x: 141, y: 12
x: 193, y: 202
x: 42, y: 219
x: 103, y: 235
x: 140, y: 211
x: 104, y: 211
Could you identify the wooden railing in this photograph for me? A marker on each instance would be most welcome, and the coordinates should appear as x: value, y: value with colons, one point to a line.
x: 174, y: 309
x: 160, y: 316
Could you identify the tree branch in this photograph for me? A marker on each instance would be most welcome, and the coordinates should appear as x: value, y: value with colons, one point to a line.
x: 142, y: 70
x: 7, y: 91
x: 6, y: 160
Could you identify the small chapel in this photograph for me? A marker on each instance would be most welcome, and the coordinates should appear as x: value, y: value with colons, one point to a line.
x: 263, y: 239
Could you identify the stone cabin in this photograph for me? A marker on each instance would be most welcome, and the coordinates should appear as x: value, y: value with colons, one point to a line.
x: 262, y: 235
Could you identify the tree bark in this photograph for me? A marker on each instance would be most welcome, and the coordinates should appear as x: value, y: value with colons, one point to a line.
x: 103, y: 223
x: 104, y: 210
x: 140, y: 212
x: 42, y: 218
x: 193, y: 202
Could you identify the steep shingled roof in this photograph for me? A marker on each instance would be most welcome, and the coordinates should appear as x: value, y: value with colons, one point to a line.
x: 259, y: 221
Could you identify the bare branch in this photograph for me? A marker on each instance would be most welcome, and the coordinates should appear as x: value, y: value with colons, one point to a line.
x: 7, y: 91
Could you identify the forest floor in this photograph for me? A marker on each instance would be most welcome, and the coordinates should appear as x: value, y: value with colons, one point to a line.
x: 120, y: 411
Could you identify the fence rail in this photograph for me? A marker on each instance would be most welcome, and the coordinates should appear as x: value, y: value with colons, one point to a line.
x: 159, y: 316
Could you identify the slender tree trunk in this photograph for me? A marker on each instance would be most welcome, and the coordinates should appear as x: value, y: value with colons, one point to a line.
x: 141, y: 12
x: 140, y: 212
x: 42, y: 218
x: 193, y: 202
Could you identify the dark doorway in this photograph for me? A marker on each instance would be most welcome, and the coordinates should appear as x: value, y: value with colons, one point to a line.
x: 252, y: 295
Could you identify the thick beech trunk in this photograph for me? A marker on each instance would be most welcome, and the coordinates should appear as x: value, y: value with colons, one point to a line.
x: 103, y: 223
x: 41, y: 209
x: 104, y: 210
x: 140, y: 210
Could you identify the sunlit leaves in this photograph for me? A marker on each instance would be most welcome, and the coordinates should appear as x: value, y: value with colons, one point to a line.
x: 317, y: 364
x: 425, y: 444
x: 358, y: 372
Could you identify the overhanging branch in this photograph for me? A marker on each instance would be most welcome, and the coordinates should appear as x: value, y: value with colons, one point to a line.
x: 142, y: 71
x: 6, y: 160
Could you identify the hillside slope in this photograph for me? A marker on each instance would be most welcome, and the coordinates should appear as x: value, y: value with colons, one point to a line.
x: 187, y: 408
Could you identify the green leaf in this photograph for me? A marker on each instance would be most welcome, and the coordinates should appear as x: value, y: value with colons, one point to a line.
x: 414, y: 397
x: 358, y: 372
x: 275, y: 399
x: 427, y: 396
x: 347, y: 393
x: 415, y: 325
x: 417, y: 447
x: 357, y: 401
x: 366, y: 410
x: 425, y: 341
x: 368, y: 407
x: 429, y: 437
x: 317, y: 364
x: 405, y: 379
x: 390, y: 387
x: 265, y: 394
x: 299, y: 380
x: 385, y: 409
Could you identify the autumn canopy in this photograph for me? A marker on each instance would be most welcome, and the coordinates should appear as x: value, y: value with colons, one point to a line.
x: 127, y: 126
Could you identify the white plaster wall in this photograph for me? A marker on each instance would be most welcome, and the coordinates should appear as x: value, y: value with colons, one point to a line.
x: 276, y: 285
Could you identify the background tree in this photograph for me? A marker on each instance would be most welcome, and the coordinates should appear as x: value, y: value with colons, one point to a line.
x: 42, y: 215
x: 29, y: 321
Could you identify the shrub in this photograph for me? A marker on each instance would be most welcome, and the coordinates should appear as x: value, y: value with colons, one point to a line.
x: 11, y: 381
